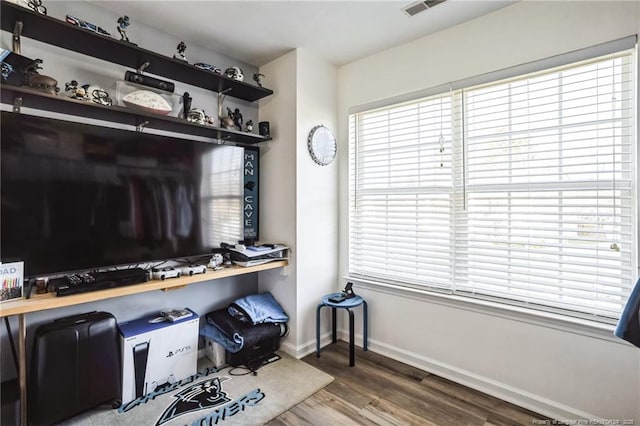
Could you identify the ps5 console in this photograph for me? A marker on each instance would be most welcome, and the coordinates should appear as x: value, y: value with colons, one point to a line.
x: 156, y: 353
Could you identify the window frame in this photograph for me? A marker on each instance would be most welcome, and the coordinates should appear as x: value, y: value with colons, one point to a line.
x: 412, y: 288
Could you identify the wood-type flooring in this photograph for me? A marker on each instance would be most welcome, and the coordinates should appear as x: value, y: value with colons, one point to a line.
x: 381, y: 391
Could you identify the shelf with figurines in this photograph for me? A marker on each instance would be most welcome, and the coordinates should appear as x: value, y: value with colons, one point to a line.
x: 28, y: 97
x: 86, y: 38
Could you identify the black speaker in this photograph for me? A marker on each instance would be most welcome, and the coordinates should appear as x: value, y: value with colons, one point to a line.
x: 263, y: 129
x: 145, y: 80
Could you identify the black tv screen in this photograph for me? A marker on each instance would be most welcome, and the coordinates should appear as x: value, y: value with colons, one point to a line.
x: 80, y: 197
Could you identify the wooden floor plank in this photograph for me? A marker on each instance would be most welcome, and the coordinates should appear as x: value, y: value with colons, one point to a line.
x: 462, y: 393
x: 383, y: 412
x: 381, y: 391
x: 325, y: 409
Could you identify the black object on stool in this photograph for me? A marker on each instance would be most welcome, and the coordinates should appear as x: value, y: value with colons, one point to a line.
x: 344, y: 300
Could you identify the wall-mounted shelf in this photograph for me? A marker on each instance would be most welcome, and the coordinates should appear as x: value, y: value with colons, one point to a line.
x: 62, y: 34
x: 31, y: 98
x: 42, y: 302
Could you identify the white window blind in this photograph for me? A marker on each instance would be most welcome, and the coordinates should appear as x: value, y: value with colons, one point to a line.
x: 521, y: 191
x: 221, y: 191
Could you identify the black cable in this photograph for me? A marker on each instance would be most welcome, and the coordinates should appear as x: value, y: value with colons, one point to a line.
x: 248, y: 371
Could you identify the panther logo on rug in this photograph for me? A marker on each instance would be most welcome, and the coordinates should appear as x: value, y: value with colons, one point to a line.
x: 202, y: 395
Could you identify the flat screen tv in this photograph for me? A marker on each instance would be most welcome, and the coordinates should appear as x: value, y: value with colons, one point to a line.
x: 82, y: 197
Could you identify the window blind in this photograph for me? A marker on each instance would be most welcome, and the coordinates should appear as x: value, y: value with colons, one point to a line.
x: 221, y: 192
x: 520, y: 191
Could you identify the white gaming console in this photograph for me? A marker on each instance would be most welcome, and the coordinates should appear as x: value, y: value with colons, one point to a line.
x: 156, y: 352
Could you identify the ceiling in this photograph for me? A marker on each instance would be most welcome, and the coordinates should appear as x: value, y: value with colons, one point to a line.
x: 257, y: 32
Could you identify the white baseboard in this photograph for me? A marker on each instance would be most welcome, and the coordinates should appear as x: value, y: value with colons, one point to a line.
x: 309, y: 347
x: 521, y: 398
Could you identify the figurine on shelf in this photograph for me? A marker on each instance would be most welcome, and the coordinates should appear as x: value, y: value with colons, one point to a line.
x: 86, y: 25
x: 123, y: 24
x: 237, y: 118
x: 7, y: 69
x: 207, y: 67
x: 32, y: 78
x: 196, y: 115
x: 227, y: 122
x: 72, y: 90
x: 36, y: 6
x: 96, y: 95
x: 248, y: 126
x: 235, y: 73
x: 257, y: 77
x: 186, y: 104
x: 182, y: 46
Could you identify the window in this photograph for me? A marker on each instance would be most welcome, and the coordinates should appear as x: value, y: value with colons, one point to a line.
x: 521, y: 191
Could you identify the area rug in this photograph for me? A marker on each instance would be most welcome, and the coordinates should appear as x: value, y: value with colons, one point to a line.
x: 218, y: 397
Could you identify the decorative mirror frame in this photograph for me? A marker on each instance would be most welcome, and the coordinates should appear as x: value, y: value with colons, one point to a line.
x: 322, y: 146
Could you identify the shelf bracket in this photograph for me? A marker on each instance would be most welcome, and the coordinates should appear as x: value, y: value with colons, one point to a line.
x: 17, y: 32
x: 142, y: 67
x: 17, y: 104
x: 140, y: 127
x: 221, y: 97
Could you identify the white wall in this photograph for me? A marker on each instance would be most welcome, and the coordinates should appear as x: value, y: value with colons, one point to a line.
x: 317, y: 195
x: 555, y: 370
x: 278, y: 185
x: 299, y: 198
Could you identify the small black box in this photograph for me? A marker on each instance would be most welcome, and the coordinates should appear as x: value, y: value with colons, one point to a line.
x: 264, y: 129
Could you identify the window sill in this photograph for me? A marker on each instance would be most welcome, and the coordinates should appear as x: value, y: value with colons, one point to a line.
x: 568, y: 324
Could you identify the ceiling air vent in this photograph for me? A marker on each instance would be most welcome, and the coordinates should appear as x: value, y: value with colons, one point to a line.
x: 415, y: 8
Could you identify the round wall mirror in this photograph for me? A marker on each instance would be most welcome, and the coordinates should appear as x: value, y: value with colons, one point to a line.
x: 322, y: 145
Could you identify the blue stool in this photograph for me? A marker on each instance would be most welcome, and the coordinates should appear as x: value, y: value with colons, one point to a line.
x: 353, y: 302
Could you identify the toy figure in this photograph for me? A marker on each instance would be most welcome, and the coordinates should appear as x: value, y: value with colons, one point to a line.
x: 186, y: 104
x: 227, y: 122
x: 249, y: 126
x: 32, y: 78
x: 72, y: 90
x: 182, y: 46
x: 123, y: 24
x: 237, y: 119
x: 257, y: 77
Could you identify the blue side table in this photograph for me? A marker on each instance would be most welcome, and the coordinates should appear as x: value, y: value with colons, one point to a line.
x: 353, y: 302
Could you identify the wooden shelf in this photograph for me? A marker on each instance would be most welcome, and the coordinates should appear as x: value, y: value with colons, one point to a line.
x: 43, y: 302
x: 40, y: 100
x: 62, y: 34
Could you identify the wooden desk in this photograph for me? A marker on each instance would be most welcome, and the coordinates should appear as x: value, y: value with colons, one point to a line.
x: 43, y: 302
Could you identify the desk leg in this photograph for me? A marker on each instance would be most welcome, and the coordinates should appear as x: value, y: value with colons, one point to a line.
x: 22, y: 361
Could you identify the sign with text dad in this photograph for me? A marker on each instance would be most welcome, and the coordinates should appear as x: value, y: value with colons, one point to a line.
x: 11, y: 280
